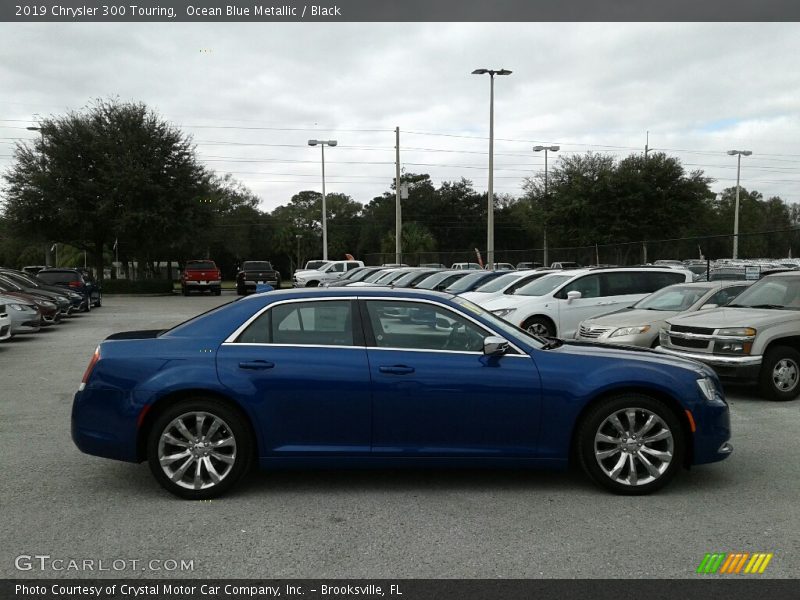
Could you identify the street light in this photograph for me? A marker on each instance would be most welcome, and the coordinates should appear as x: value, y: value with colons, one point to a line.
x: 738, y: 154
x: 490, y: 201
x: 546, y: 150
x: 322, y: 144
x: 47, y: 249
x: 297, y: 236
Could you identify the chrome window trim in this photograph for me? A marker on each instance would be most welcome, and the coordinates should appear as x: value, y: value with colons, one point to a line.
x: 461, y: 314
x: 231, y: 339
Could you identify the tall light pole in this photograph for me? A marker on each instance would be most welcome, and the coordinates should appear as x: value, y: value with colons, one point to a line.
x: 297, y: 236
x: 47, y: 248
x: 490, y: 201
x: 546, y: 150
x: 738, y: 154
x: 322, y: 144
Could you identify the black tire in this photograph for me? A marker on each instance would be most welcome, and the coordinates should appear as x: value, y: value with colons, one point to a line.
x: 626, y: 453
x: 312, y: 284
x: 184, y: 290
x: 240, y: 291
x: 88, y: 307
x: 779, y: 378
x: 540, y: 326
x: 216, y: 291
x: 233, y: 425
x: 99, y: 302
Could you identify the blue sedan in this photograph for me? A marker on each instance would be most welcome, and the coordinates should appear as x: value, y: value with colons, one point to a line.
x: 334, y: 378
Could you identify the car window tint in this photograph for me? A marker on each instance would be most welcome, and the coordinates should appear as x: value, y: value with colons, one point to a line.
x: 324, y: 323
x: 588, y: 286
x: 655, y: 281
x: 725, y: 295
x: 422, y: 326
x: 56, y: 277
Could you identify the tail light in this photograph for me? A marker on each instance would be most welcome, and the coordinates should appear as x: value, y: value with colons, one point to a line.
x: 75, y: 284
x: 89, y: 369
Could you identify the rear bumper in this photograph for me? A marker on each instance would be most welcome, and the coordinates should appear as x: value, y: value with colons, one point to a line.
x: 104, y: 424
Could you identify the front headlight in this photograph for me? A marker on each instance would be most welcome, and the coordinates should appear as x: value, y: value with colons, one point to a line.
x: 16, y: 306
x: 707, y: 387
x: 48, y: 304
x: 630, y: 330
x: 503, y: 312
x: 741, y: 331
x: 75, y: 296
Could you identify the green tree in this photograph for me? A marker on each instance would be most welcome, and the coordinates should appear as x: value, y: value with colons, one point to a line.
x: 114, y: 170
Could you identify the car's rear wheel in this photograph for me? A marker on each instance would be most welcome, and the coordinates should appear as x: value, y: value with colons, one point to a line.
x: 216, y: 291
x: 631, y: 444
x: 540, y: 326
x: 312, y: 284
x: 185, y: 291
x: 780, y: 374
x: 199, y: 448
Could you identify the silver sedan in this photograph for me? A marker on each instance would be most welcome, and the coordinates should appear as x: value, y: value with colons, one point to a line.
x: 638, y: 325
x: 25, y: 317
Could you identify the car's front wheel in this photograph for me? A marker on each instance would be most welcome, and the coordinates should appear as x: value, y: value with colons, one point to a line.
x: 540, y: 326
x: 780, y: 374
x: 631, y: 444
x: 199, y: 448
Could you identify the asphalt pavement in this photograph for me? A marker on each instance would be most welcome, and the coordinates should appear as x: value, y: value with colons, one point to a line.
x: 57, y: 502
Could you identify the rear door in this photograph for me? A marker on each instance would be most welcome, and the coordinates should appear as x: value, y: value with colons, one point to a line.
x: 301, y: 366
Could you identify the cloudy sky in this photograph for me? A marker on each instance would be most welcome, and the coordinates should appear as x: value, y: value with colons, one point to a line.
x: 251, y: 95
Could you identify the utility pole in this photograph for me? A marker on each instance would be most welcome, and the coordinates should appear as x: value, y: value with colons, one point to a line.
x: 647, y: 145
x: 738, y: 154
x: 398, y: 232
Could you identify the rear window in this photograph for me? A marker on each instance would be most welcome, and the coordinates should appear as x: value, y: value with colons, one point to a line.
x: 55, y: 277
x: 200, y: 265
x: 256, y: 266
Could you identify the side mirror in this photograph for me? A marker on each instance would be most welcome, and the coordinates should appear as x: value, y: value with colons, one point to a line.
x: 494, y: 346
x: 574, y: 295
x: 707, y: 306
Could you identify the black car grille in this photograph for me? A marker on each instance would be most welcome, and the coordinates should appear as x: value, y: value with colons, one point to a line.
x: 684, y: 343
x: 685, y: 329
x: 4, y: 330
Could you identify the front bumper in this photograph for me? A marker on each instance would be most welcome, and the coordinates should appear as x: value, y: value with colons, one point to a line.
x: 713, y: 434
x: 729, y: 368
x: 642, y: 340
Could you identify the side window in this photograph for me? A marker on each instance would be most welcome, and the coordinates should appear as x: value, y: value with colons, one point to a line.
x: 624, y: 283
x: 422, y: 326
x: 324, y: 323
x: 352, y: 265
x: 588, y: 286
x: 656, y: 281
x: 337, y: 268
x: 725, y: 295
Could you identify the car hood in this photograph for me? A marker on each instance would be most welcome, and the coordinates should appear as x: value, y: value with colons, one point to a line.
x: 511, y: 301
x: 631, y: 318
x: 631, y: 353
x: 715, y: 318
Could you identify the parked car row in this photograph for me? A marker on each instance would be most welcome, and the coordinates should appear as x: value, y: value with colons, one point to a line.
x: 29, y: 302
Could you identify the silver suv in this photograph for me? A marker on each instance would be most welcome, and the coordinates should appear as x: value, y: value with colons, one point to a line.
x: 755, y: 339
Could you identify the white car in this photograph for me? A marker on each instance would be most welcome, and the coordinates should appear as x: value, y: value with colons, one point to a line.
x: 554, y: 305
x: 328, y: 272
x: 505, y: 284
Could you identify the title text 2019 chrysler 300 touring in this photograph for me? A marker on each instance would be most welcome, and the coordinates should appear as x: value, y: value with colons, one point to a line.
x: 334, y: 377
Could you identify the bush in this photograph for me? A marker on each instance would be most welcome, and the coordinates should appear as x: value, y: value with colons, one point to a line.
x: 143, y: 286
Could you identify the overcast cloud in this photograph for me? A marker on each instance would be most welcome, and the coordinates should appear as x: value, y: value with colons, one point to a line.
x: 251, y: 95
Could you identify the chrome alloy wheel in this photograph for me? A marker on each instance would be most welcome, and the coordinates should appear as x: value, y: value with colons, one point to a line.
x: 538, y: 328
x: 634, y: 446
x: 197, y: 450
x: 785, y: 375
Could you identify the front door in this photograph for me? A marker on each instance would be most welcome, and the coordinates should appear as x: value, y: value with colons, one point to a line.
x: 434, y: 391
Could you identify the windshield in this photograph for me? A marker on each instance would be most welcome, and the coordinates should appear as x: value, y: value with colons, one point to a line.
x: 543, y: 285
x: 500, y: 324
x: 465, y: 283
x: 674, y: 297
x: 256, y: 266
x: 390, y: 277
x: 500, y: 283
x: 313, y: 265
x: 771, y: 292
x: 21, y: 280
x: 434, y: 280
x: 374, y: 276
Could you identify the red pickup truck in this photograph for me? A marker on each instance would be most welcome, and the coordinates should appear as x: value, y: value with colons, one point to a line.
x: 201, y: 275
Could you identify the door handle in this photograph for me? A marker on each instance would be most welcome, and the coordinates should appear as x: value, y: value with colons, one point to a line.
x: 397, y: 370
x: 256, y: 365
